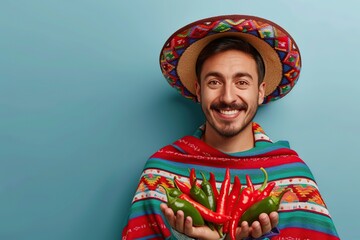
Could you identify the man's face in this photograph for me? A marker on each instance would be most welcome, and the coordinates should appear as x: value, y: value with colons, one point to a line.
x: 229, y: 92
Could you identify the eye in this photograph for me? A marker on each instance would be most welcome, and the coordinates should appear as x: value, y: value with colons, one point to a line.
x: 242, y: 83
x: 213, y: 82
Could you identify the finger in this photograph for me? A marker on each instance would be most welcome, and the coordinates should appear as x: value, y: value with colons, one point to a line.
x: 188, y: 226
x: 162, y: 205
x: 243, y: 231
x: 256, y: 230
x: 274, y: 219
x: 265, y: 223
x: 179, y: 223
x: 163, y: 208
x: 169, y: 214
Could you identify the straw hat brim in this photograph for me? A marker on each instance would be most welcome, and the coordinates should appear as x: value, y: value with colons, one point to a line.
x: 278, y: 50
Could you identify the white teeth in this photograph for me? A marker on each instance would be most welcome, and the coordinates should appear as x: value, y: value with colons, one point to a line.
x: 229, y: 112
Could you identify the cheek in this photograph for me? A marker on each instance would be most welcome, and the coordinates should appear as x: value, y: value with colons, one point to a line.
x: 206, y: 101
x: 252, y: 100
x: 207, y: 97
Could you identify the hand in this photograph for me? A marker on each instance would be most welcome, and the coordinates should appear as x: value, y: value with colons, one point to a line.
x: 185, y: 225
x: 258, y: 228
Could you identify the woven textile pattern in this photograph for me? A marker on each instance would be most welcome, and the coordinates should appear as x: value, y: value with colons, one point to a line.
x: 303, y: 213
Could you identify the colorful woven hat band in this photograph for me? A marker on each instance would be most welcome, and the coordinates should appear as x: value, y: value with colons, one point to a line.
x: 279, y: 52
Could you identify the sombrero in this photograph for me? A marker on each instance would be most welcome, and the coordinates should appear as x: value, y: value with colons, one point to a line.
x: 277, y: 48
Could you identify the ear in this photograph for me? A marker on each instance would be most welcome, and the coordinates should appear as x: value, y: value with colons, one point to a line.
x: 197, y: 91
x: 261, y: 93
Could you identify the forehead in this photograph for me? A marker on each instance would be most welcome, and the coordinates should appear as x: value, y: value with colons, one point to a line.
x: 230, y: 61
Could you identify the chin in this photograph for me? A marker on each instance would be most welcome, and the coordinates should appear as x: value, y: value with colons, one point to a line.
x: 229, y: 132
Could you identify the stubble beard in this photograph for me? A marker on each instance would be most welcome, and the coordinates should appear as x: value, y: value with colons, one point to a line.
x: 229, y: 131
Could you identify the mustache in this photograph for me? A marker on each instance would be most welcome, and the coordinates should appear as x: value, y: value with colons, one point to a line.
x: 223, y: 105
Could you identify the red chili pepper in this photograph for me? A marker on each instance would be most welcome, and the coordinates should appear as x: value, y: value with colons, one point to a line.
x: 267, y: 205
x: 212, y: 181
x: 224, y: 191
x: 192, y: 176
x: 251, y: 186
x: 266, y: 192
x: 245, y: 201
x: 233, y: 196
x: 182, y: 186
x: 249, y: 183
x: 206, y: 213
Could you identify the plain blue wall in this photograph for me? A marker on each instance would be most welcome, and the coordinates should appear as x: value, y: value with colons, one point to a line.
x: 83, y: 104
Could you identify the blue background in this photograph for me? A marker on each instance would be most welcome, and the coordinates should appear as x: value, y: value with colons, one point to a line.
x: 83, y: 104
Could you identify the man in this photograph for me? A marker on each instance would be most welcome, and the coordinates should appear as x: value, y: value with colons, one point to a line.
x: 230, y: 65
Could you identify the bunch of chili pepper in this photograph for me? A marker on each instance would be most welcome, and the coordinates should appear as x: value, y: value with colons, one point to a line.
x: 222, y: 210
x: 200, y: 199
x: 250, y: 203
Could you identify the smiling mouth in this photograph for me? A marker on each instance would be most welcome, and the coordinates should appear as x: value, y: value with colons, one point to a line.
x: 228, y: 112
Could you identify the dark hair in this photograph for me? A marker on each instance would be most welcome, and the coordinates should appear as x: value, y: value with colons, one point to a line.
x: 229, y: 43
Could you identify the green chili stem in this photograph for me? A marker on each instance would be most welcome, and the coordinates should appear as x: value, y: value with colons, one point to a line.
x: 265, y: 180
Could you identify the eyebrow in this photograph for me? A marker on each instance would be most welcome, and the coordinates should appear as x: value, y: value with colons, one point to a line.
x: 237, y: 75
x: 213, y: 74
x: 243, y: 74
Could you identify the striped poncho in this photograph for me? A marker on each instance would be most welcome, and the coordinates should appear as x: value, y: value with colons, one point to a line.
x: 302, y: 215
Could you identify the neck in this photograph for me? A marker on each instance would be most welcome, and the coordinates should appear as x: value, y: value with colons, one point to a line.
x: 243, y: 141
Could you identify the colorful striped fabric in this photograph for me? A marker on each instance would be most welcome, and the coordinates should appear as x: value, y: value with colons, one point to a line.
x: 303, y: 213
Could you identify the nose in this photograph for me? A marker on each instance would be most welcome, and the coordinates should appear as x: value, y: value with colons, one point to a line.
x: 228, y: 94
